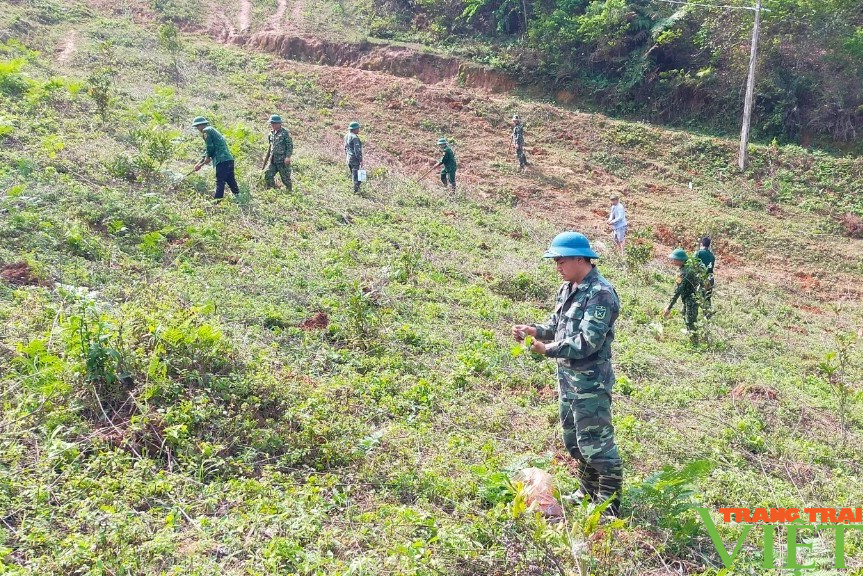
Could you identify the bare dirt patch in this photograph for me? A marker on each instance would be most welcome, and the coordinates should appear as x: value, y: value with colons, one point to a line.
x: 20, y: 274
x: 318, y: 321
x: 396, y: 60
x: 67, y: 46
x: 753, y: 392
x: 852, y: 225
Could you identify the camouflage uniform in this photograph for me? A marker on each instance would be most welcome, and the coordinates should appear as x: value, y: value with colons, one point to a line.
x: 354, y: 156
x: 281, y: 147
x: 582, y: 330
x: 688, y: 287
x: 708, y: 259
x: 518, y: 141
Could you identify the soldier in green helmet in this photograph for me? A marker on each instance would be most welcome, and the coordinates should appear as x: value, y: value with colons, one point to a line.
x: 448, y: 163
x: 518, y: 142
x: 216, y: 151
x: 688, y: 289
x: 354, y: 153
x: 579, y: 335
x: 279, y: 154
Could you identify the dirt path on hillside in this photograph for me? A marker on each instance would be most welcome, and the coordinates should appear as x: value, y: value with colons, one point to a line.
x: 278, y: 23
x: 68, y: 46
x: 297, y: 12
x: 243, y: 18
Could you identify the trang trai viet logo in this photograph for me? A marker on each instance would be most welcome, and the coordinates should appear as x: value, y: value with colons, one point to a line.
x: 795, y: 521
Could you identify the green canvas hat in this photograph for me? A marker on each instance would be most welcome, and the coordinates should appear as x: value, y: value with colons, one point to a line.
x: 275, y: 119
x: 441, y: 142
x: 679, y: 254
x: 199, y: 120
x: 353, y: 125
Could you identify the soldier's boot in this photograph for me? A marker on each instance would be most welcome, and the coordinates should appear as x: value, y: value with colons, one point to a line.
x: 356, y: 187
x: 290, y: 185
x: 610, y: 487
x: 588, y: 481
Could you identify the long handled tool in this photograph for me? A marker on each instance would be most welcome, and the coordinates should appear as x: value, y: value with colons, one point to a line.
x: 176, y: 181
x: 427, y: 173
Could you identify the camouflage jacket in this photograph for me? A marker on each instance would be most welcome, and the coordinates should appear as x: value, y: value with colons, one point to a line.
x: 581, y: 331
x: 281, y: 144
x: 689, y: 282
x: 518, y: 134
x: 216, y: 147
x: 353, y: 149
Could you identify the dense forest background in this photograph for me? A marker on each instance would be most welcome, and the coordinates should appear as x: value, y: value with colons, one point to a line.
x: 663, y: 61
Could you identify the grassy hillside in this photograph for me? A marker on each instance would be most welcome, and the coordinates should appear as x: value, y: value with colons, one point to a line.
x: 322, y: 383
x: 681, y: 63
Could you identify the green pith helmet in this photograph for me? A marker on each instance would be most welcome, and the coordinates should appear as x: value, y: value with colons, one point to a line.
x: 353, y: 126
x: 570, y: 244
x: 515, y: 117
x: 679, y: 254
x: 199, y: 121
x: 441, y: 142
x: 275, y: 119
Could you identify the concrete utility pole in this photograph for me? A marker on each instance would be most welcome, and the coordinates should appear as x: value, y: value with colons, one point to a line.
x: 750, y: 89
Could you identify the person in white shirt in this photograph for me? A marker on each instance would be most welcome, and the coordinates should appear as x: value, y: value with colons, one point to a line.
x: 617, y: 222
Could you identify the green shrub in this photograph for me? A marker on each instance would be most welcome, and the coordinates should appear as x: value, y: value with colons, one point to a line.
x: 666, y: 499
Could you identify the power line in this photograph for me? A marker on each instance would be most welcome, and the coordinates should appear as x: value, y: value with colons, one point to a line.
x: 723, y: 6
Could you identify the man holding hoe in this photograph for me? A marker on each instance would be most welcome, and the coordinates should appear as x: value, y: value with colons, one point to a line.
x: 216, y: 151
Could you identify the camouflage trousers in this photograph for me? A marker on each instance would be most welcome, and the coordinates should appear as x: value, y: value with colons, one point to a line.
x: 589, y: 438
x: 522, y: 157
x: 354, y: 169
x: 277, y: 165
x: 690, y: 313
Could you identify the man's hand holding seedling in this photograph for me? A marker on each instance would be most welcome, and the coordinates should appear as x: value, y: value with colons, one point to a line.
x: 527, y: 335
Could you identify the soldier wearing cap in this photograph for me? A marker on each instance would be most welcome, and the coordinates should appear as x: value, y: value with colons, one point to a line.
x: 688, y: 288
x: 279, y: 154
x: 617, y: 222
x: 579, y: 336
x: 216, y: 151
x: 354, y: 153
x: 518, y: 142
x: 448, y: 163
